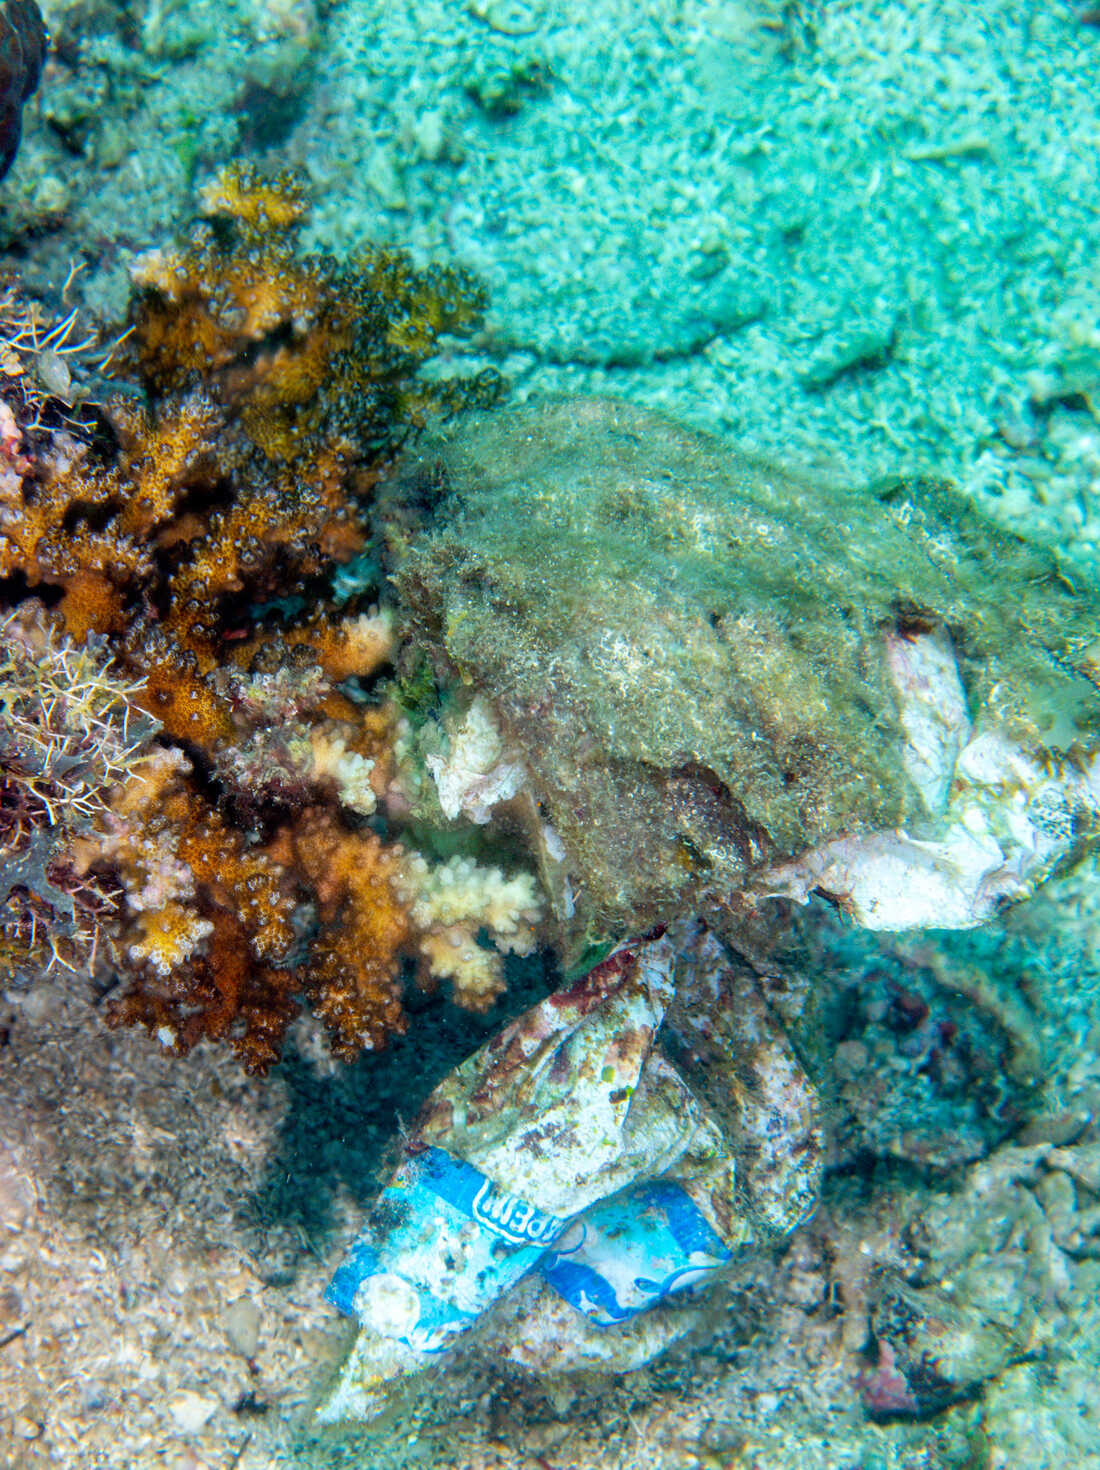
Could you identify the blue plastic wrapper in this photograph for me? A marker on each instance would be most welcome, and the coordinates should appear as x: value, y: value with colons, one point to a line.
x: 627, y: 1253
x: 571, y: 1152
x: 618, y: 1258
x: 445, y: 1242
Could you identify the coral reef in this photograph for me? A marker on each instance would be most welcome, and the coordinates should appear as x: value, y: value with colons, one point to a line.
x: 22, y: 52
x: 193, y: 538
x: 278, y: 385
x: 304, y: 352
x: 376, y: 901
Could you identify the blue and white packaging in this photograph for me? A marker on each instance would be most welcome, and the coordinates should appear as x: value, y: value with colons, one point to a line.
x: 627, y: 1253
x: 569, y: 1151
x: 443, y: 1242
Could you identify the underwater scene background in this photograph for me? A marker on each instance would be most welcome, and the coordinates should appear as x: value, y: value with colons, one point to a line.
x: 375, y: 658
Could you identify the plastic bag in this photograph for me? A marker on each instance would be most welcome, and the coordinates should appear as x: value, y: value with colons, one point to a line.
x: 570, y: 1149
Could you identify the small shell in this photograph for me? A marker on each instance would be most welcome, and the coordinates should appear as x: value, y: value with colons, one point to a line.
x: 52, y: 373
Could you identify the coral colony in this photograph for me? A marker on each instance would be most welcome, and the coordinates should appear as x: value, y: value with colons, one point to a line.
x: 187, y: 786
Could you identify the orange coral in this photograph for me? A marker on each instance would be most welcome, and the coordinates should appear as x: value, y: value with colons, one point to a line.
x: 159, y: 462
x: 80, y: 526
x: 208, y: 923
x: 278, y: 385
x: 222, y: 995
x: 258, y: 205
x: 203, y: 919
x: 305, y: 351
x: 351, y: 648
x: 180, y: 698
x: 47, y: 536
x: 354, y: 972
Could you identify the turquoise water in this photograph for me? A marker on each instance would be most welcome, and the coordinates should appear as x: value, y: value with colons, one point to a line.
x: 856, y: 239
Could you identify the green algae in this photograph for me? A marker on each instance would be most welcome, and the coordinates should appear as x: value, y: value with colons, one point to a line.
x: 684, y: 645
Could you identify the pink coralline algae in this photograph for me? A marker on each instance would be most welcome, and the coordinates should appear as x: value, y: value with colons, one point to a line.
x: 885, y: 1392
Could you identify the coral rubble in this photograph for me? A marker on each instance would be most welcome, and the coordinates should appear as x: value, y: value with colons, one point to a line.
x: 192, y: 539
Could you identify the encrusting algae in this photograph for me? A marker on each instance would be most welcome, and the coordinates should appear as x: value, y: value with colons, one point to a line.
x: 232, y: 847
x: 764, y: 673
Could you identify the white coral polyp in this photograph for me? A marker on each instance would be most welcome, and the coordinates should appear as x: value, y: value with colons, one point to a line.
x: 476, y: 974
x: 370, y: 638
x: 451, y: 903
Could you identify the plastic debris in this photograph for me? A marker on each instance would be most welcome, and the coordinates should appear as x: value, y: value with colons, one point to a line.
x: 999, y: 818
x: 571, y: 1149
x: 580, y: 1175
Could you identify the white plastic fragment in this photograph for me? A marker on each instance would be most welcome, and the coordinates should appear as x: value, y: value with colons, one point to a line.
x: 241, y: 1322
x: 933, y: 712
x: 1000, y: 819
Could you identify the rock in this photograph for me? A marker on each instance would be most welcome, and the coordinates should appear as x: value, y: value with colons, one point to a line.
x: 22, y: 53
x: 242, y: 1326
x: 685, y: 647
x: 18, y: 1194
x: 1082, y: 1162
x: 192, y: 1411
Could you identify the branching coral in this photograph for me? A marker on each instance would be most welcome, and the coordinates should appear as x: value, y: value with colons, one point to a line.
x: 203, y: 917
x: 365, y: 926
x: 279, y: 385
x: 195, y: 536
x: 377, y: 902
x: 303, y: 350
x: 449, y: 904
x: 208, y: 923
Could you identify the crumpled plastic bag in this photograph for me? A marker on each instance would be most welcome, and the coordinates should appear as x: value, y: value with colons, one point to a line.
x: 999, y: 817
x: 571, y: 1151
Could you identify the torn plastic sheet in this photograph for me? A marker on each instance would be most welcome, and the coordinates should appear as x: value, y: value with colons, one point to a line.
x: 569, y: 1149
x: 628, y: 1253
x: 999, y: 818
x: 445, y: 1244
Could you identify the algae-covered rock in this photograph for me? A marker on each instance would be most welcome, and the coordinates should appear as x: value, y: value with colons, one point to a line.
x: 683, y: 647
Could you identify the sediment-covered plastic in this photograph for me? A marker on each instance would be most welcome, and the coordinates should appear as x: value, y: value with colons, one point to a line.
x: 619, y: 1142
x: 570, y: 1149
